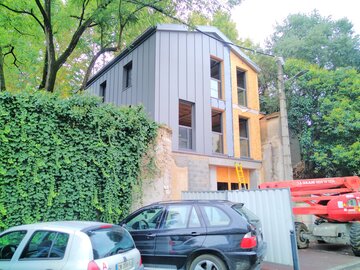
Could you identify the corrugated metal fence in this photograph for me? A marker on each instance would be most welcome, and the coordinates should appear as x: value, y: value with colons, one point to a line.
x: 273, y: 207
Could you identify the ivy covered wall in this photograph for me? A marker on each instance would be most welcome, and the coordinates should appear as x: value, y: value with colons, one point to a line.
x: 65, y: 159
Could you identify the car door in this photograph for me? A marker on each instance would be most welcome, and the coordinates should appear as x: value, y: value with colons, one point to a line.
x: 182, y: 231
x: 10, y: 244
x: 44, y: 250
x: 143, y: 226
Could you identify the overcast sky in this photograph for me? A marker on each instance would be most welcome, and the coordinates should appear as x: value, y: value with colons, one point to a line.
x: 256, y: 19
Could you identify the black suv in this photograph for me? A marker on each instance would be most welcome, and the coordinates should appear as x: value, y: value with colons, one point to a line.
x: 197, y: 234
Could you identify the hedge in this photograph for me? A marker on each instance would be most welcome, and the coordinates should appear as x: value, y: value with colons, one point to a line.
x: 68, y: 159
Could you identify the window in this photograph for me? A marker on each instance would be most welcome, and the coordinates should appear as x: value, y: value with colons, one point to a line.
x: 215, y: 83
x: 217, y: 130
x: 46, y: 244
x: 127, y: 79
x: 102, y: 91
x: 110, y: 241
x: 241, y: 87
x: 145, y: 220
x: 244, y: 138
x: 185, y: 125
x: 9, y: 243
x: 177, y: 216
x: 194, y: 221
x: 216, y: 216
x: 222, y: 186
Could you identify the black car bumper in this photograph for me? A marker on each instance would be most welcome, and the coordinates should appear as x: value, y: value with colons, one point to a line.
x: 246, y: 260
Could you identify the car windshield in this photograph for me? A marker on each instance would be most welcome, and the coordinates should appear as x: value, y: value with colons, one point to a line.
x: 242, y: 210
x: 110, y: 241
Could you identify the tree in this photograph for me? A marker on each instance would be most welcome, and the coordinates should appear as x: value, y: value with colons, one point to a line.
x: 64, y: 25
x: 320, y: 40
x: 323, y: 111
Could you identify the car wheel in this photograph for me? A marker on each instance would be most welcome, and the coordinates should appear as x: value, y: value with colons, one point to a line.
x: 355, y: 238
x: 300, y: 229
x: 208, y: 262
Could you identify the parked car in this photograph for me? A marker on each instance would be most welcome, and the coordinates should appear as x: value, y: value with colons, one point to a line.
x: 195, y: 235
x: 75, y: 245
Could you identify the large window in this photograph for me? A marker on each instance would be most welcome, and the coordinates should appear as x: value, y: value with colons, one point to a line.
x: 127, y: 75
x: 186, y: 115
x: 244, y: 137
x: 217, y: 131
x: 215, y: 83
x: 241, y: 87
x: 102, y: 91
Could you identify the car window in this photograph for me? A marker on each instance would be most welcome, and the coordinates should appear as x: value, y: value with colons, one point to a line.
x: 216, y: 216
x: 246, y: 213
x: 177, y: 216
x: 45, y: 244
x: 9, y: 243
x: 110, y: 241
x: 146, y: 219
x: 194, y: 221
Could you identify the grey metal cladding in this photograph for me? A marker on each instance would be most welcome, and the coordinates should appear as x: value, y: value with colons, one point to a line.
x: 183, y: 72
x: 143, y: 82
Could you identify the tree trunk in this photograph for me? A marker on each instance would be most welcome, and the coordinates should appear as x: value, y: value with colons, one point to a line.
x: 44, y: 74
x: 2, y: 75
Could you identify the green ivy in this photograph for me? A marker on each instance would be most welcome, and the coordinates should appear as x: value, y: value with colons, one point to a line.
x: 68, y: 159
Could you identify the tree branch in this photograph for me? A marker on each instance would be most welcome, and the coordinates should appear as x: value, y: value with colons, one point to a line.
x: 92, y: 64
x: 24, y: 12
x: 11, y: 51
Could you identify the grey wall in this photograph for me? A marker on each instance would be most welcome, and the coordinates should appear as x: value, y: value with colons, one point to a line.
x: 168, y: 66
x: 183, y: 72
x: 142, y: 90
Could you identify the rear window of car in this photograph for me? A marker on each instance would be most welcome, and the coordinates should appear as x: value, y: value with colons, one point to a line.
x: 243, y: 211
x: 216, y: 216
x: 45, y: 244
x: 110, y: 241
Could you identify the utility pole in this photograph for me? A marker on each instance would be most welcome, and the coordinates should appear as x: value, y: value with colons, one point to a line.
x: 287, y: 173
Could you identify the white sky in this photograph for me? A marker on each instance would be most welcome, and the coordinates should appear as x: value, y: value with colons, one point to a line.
x: 256, y: 19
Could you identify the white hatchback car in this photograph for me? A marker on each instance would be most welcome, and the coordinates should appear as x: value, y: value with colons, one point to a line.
x: 68, y: 245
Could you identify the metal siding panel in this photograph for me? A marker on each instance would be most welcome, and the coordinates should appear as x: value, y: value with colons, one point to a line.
x: 182, y: 66
x: 206, y: 135
x: 199, y: 88
x: 220, y: 49
x: 174, y: 88
x: 228, y: 104
x: 140, y: 74
x: 116, y: 83
x: 157, y: 77
x: 212, y: 47
x: 111, y: 87
x: 151, y: 73
x: 134, y: 87
x: 190, y: 62
x: 273, y: 207
x: 164, y: 94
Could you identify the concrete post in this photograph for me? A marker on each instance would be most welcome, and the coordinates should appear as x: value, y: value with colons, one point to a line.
x: 284, y: 128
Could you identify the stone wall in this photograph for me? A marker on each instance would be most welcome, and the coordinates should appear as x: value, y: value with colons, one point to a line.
x: 167, y: 181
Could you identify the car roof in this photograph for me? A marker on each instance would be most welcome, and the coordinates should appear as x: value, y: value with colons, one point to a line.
x: 60, y: 225
x: 195, y: 202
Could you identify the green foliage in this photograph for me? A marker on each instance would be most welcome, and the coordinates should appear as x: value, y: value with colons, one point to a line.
x: 318, y: 40
x: 64, y: 159
x: 324, y: 111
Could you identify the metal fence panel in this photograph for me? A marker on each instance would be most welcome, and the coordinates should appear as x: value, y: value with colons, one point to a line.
x: 273, y: 207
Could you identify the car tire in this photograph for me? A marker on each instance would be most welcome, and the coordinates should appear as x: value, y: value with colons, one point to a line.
x: 300, y: 229
x: 207, y: 261
x: 355, y: 238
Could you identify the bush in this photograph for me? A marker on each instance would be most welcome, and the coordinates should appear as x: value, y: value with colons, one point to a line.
x: 66, y: 159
